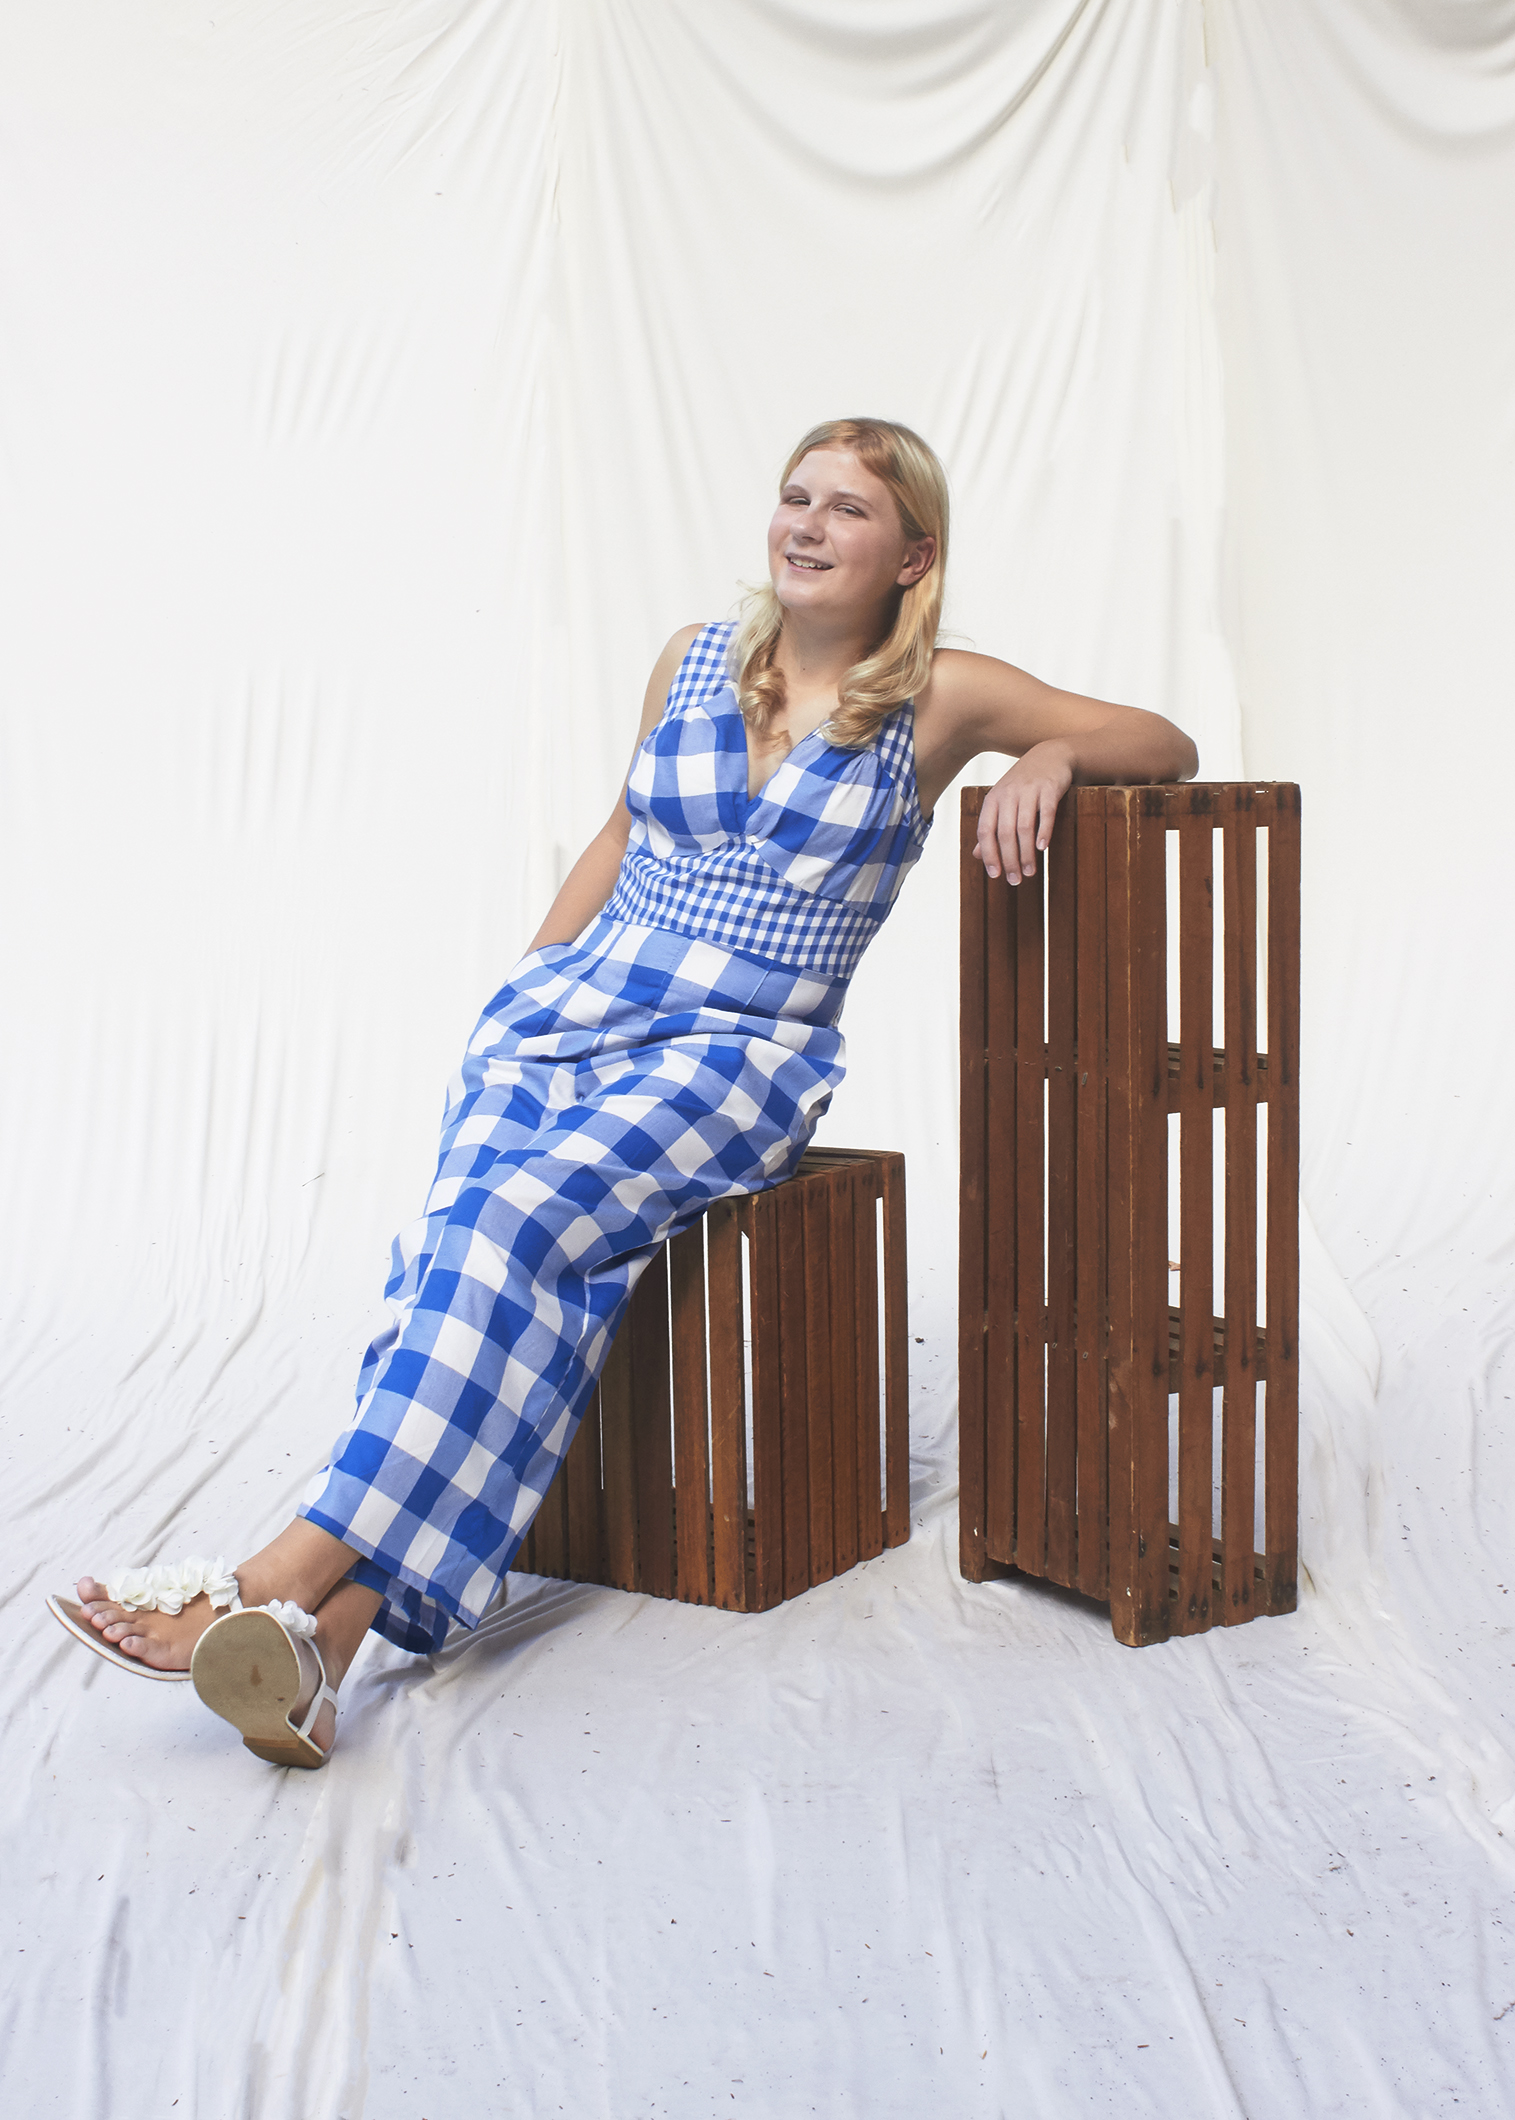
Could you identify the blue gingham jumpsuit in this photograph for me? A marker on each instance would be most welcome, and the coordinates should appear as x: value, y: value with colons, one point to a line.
x: 680, y: 1051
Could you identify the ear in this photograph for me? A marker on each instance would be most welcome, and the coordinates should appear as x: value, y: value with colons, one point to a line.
x: 919, y: 558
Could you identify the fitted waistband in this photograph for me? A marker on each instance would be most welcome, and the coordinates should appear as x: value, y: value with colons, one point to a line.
x: 734, y: 900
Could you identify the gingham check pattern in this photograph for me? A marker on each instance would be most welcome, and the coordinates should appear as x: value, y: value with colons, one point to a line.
x: 612, y: 1090
x: 804, y: 873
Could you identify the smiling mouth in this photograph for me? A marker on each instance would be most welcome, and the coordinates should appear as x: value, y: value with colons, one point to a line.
x: 811, y: 566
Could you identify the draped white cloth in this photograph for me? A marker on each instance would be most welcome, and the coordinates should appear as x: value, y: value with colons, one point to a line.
x: 380, y: 387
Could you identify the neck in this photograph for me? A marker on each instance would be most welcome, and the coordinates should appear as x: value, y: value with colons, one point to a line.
x: 814, y: 653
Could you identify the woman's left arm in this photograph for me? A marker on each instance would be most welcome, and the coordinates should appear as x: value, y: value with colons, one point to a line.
x: 975, y: 703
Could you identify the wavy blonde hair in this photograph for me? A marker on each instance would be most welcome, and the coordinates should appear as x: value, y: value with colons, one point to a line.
x: 897, y: 667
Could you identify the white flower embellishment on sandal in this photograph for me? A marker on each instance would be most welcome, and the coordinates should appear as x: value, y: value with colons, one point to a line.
x: 171, y: 1585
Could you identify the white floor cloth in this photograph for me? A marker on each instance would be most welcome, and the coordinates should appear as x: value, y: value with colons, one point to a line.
x: 380, y: 386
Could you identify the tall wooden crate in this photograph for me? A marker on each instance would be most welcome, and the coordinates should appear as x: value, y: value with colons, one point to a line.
x: 780, y: 1316
x: 1073, y: 1356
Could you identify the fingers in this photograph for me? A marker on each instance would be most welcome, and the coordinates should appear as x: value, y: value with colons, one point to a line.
x: 1013, y: 828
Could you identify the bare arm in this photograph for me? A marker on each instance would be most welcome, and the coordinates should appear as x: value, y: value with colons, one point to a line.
x: 975, y: 703
x: 592, y: 878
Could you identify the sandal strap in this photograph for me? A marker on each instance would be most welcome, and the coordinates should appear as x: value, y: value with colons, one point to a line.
x: 324, y: 1692
x: 168, y: 1586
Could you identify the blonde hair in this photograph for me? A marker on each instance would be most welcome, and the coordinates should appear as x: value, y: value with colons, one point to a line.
x: 898, y: 666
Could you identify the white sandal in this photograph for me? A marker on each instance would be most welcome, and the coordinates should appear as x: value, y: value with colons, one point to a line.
x: 248, y: 1668
x: 167, y: 1587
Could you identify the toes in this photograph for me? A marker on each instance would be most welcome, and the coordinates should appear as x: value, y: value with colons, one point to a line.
x: 90, y: 1591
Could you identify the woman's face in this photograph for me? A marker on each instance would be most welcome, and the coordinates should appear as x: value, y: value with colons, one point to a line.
x: 836, y: 548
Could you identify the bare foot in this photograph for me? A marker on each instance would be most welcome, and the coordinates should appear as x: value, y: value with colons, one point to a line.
x: 164, y: 1641
x: 301, y: 1564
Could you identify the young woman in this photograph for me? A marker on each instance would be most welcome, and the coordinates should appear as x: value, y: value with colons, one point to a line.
x: 669, y: 1040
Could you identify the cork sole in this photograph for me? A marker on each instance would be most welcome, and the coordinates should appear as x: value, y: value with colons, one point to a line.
x: 247, y: 1670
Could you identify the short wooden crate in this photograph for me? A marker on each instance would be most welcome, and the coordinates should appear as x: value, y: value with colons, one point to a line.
x: 1070, y: 1349
x: 763, y: 1320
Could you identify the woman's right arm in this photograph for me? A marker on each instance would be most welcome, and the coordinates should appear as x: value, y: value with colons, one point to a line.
x: 591, y: 880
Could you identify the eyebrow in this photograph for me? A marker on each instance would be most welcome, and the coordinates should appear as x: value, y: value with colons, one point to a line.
x: 842, y: 493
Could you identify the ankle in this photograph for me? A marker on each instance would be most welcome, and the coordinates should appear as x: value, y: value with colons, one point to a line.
x: 335, y: 1656
x: 258, y: 1584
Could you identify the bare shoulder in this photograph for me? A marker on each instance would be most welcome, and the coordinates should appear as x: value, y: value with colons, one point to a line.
x: 964, y: 683
x: 664, y: 671
x: 680, y: 643
x: 971, y: 703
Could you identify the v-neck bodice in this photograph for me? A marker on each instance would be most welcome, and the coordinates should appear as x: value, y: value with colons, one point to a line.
x: 801, y: 874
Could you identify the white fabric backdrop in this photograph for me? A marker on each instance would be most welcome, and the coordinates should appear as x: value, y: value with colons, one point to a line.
x: 381, y: 386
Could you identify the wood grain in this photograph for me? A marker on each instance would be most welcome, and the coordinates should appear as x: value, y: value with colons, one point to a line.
x: 581, y: 1477
x: 651, y: 1427
x: 1196, y: 1416
x: 1239, y: 1397
x: 1061, y: 862
x: 691, y: 1416
x: 867, y: 1282
x: 999, y: 1194
x: 842, y: 1353
x: 1091, y: 1276
x: 1281, y: 1428
x: 760, y: 1218
x: 1030, y: 1288
x: 896, y: 1355
x: 728, y: 1406
x: 973, y: 1179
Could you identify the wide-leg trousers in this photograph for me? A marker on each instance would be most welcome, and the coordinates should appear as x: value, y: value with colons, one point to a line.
x: 612, y: 1090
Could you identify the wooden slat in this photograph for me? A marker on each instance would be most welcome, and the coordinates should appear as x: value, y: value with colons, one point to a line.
x: 896, y: 1356
x: 651, y: 1428
x: 972, y: 1307
x: 1030, y: 1298
x: 1138, y: 1375
x: 1061, y: 862
x: 551, y: 1527
x: 1259, y: 1061
x: 789, y: 1212
x: 1281, y: 1435
x: 581, y: 1475
x: 1149, y: 1245
x: 1196, y: 898
x: 1239, y: 1397
x: 1092, y: 1297
x: 867, y: 1277
x: 1259, y: 1351
x: 999, y: 1195
x: 760, y: 1221
x: 618, y: 1462
x: 728, y: 1406
x: 1124, y: 1391
x: 691, y: 1450
x: 844, y: 1188
x: 818, y: 1385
